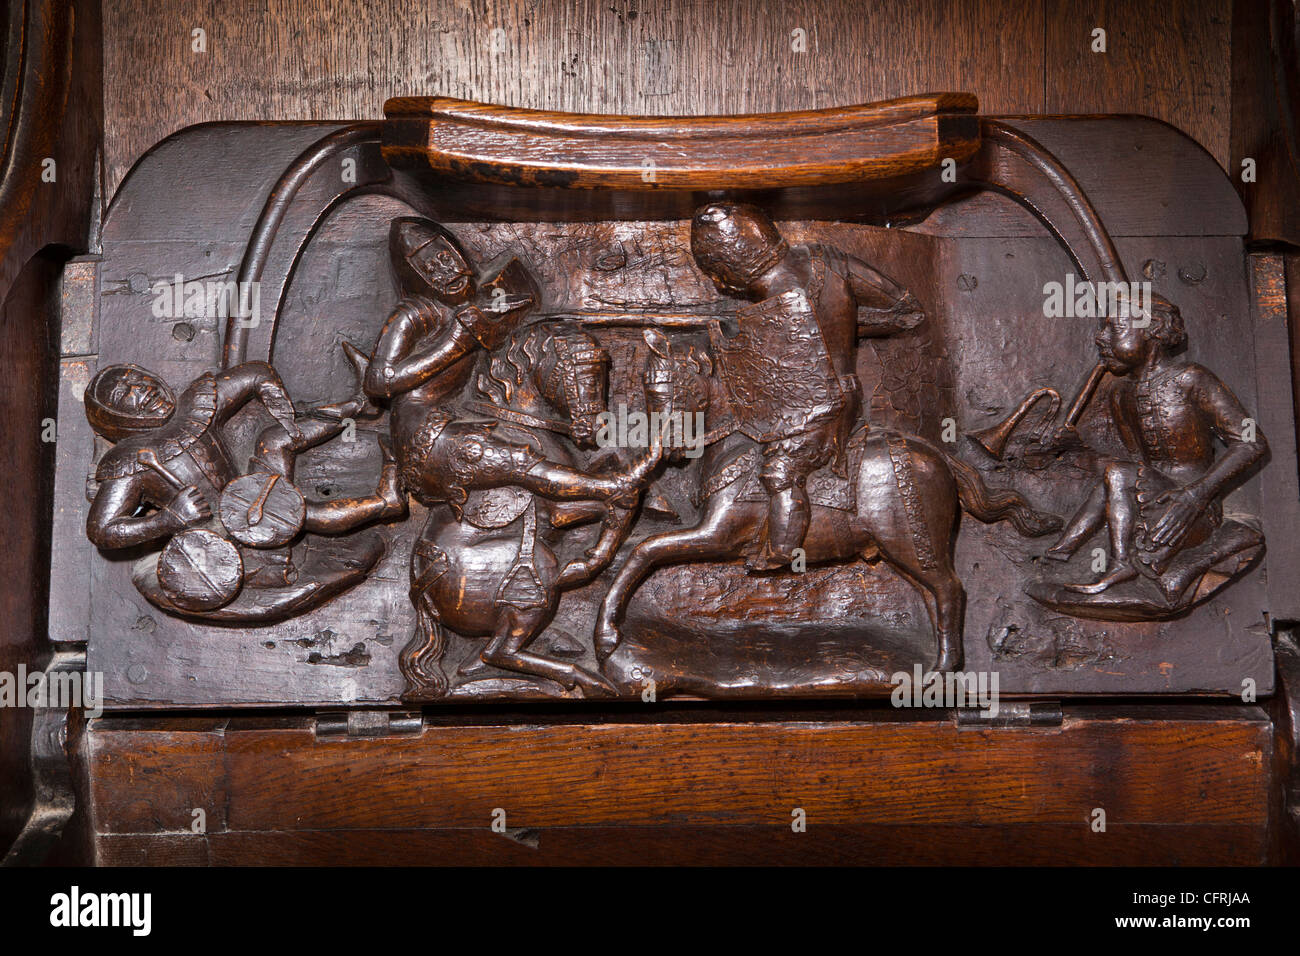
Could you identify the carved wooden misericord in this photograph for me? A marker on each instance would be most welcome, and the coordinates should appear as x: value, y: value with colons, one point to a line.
x: 528, y: 405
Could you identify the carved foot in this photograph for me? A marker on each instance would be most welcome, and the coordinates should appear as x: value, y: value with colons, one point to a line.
x: 592, y: 684
x: 949, y: 658
x: 606, y: 639
x: 359, y: 406
x: 578, y: 572
x: 390, y: 483
x: 1120, y: 574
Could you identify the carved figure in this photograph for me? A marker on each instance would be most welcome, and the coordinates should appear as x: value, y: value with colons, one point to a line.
x: 171, y: 464
x: 902, y: 493
x: 790, y: 369
x: 1162, y: 506
x: 483, y: 563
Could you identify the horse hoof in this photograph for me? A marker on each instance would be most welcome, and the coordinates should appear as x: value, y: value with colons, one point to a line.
x: 574, y: 573
x: 606, y: 641
x: 949, y: 661
x: 593, y: 685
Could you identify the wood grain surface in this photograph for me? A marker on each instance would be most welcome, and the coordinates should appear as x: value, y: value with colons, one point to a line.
x: 307, y: 59
x: 1186, y: 784
x: 1178, y: 786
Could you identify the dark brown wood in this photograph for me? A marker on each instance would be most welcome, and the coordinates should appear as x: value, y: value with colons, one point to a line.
x: 631, y: 306
x: 1170, y: 60
x: 1266, y: 117
x: 665, y: 59
x: 1183, y: 786
x: 51, y: 115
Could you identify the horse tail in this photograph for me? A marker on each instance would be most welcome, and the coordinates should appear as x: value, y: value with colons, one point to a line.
x: 989, y: 505
x: 420, y: 660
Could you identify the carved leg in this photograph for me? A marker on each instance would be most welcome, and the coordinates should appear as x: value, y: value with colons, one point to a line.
x: 506, y: 649
x: 567, y: 514
x: 1121, y: 516
x: 948, y: 612
x: 277, y: 452
x: 346, y: 514
x: 612, y: 534
x: 719, y: 536
x: 945, y: 601
x: 1090, y: 516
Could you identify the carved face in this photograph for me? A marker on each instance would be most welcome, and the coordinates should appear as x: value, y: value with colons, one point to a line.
x: 589, y: 376
x: 125, y: 398
x: 577, y: 382
x: 139, y: 395
x: 445, y: 269
x: 1122, y: 345
x: 734, y: 244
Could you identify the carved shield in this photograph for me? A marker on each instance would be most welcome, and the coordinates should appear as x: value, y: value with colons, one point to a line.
x: 776, y: 369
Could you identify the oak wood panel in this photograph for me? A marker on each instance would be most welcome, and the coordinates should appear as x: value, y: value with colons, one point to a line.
x: 842, y: 845
x: 1202, y: 768
x: 314, y: 59
x: 1170, y: 59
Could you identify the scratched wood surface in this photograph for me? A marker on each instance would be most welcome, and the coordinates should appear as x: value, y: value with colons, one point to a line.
x: 308, y: 59
x: 314, y: 60
x: 1178, y: 785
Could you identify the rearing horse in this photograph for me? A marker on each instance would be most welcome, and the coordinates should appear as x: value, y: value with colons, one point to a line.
x: 500, y: 489
x: 908, y: 495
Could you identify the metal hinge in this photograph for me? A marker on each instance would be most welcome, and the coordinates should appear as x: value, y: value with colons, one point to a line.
x: 1018, y: 713
x: 368, y: 723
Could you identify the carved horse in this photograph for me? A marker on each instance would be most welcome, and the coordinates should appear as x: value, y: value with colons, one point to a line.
x: 908, y: 496
x: 487, y: 566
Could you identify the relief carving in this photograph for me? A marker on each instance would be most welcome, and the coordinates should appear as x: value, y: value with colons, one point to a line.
x: 629, y: 452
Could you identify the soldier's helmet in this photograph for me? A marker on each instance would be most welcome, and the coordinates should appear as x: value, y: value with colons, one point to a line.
x: 124, y: 400
x: 427, y: 258
x: 734, y: 244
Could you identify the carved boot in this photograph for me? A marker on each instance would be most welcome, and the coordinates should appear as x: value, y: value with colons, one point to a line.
x: 359, y: 405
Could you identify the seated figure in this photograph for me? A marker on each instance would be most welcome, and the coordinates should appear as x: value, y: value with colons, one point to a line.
x: 1162, y: 505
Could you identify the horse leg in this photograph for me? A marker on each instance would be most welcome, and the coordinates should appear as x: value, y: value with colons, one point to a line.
x: 918, y: 544
x: 947, y: 609
x: 515, y: 629
x: 720, y: 535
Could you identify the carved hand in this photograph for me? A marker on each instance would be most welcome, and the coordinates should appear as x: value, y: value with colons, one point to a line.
x: 1186, y: 505
x: 189, y: 507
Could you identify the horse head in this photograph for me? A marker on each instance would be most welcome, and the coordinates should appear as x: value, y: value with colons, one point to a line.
x: 548, y: 368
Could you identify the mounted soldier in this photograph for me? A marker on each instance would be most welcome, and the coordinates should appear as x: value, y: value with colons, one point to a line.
x: 790, y: 370
x: 497, y: 477
x: 426, y: 356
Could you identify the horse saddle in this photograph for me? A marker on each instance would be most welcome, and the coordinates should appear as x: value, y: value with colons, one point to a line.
x: 825, y: 486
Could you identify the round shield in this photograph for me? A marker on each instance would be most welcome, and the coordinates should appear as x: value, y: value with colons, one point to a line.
x: 262, y: 510
x: 200, y: 571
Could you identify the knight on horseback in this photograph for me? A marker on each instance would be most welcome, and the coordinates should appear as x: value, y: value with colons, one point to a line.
x: 791, y: 368
x: 425, y: 358
x: 484, y: 467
